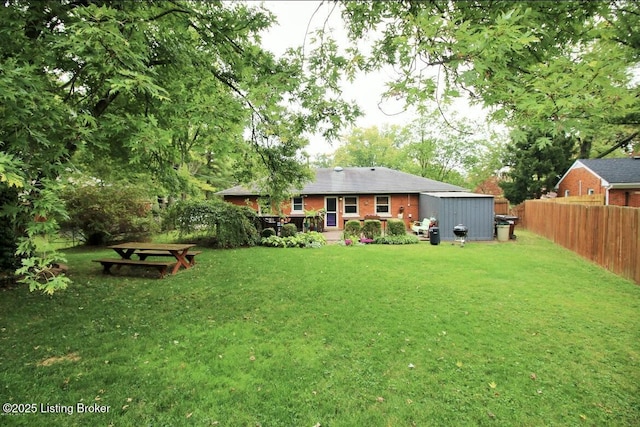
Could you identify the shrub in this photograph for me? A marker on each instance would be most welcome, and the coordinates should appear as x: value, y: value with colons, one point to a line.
x: 289, y: 230
x: 352, y: 229
x: 215, y: 222
x: 405, y: 239
x: 267, y: 232
x: 396, y: 227
x: 312, y: 239
x: 372, y: 228
x: 108, y: 213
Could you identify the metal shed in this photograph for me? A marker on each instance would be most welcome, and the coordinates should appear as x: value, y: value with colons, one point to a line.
x: 457, y: 207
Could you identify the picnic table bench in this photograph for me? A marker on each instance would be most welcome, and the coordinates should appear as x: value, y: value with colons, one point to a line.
x: 180, y: 253
x: 143, y: 254
x: 161, y: 266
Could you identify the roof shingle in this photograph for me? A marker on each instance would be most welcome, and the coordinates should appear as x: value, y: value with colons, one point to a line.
x: 374, y: 180
x: 615, y: 171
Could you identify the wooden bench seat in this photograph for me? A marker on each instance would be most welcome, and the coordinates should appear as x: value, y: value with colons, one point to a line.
x: 161, y: 266
x: 143, y: 254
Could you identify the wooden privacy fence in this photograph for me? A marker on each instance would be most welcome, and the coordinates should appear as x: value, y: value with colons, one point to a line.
x: 606, y: 235
x: 500, y: 206
x: 595, y: 199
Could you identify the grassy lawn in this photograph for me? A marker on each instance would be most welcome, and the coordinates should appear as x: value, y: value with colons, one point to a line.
x: 519, y: 333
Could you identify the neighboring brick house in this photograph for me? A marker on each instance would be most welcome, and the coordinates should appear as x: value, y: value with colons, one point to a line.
x: 352, y: 193
x: 617, y: 179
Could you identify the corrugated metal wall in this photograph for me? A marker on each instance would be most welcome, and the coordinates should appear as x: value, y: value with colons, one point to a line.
x: 450, y: 209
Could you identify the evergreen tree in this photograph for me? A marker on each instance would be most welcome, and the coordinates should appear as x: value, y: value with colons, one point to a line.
x: 535, y: 164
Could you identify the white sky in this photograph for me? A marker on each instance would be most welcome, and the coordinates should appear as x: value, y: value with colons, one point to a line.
x: 294, y: 17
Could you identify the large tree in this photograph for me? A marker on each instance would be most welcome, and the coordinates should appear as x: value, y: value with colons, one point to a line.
x: 536, y: 162
x: 145, y: 90
x: 372, y: 147
x: 450, y: 149
x: 562, y: 68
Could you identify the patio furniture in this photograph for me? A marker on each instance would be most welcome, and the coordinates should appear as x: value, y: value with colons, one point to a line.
x: 180, y: 253
x: 419, y: 227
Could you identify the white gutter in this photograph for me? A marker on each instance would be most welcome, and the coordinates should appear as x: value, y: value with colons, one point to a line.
x: 624, y: 186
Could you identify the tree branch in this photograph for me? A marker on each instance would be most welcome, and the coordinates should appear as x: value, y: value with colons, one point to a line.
x: 103, y: 103
x: 239, y: 92
x: 167, y: 12
x: 620, y: 144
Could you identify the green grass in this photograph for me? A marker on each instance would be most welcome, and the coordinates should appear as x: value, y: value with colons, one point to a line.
x: 519, y: 333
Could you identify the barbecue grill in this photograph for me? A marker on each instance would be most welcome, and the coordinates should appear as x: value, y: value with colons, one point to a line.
x: 461, y: 232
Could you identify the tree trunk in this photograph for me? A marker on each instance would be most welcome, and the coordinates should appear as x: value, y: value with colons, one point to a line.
x: 585, y: 148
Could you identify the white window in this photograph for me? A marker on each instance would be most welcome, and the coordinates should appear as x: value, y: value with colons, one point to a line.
x: 591, y: 192
x: 566, y: 193
x: 383, y: 205
x: 351, y: 205
x: 297, y: 204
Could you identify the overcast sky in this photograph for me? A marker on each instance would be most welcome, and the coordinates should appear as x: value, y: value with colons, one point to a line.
x: 293, y: 18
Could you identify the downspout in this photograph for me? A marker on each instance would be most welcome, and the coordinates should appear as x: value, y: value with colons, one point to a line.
x: 606, y: 194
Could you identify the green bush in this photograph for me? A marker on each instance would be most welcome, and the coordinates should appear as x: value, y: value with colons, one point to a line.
x: 396, y: 227
x: 289, y: 230
x: 372, y: 228
x: 312, y: 239
x: 352, y: 229
x: 267, y: 232
x: 108, y: 213
x: 405, y: 239
x: 215, y: 223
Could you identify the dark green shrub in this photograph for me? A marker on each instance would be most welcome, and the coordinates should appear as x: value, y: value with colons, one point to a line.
x: 352, y: 229
x: 372, y: 228
x: 108, y: 213
x: 289, y: 230
x: 267, y: 232
x: 396, y: 227
x: 215, y: 222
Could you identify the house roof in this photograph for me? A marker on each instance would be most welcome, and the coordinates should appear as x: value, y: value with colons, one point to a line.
x: 374, y: 180
x: 622, y: 171
x: 459, y: 195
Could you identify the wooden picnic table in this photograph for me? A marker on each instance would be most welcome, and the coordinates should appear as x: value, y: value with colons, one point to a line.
x: 179, y: 251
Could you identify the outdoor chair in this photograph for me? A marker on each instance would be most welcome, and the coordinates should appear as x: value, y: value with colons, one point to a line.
x: 419, y: 227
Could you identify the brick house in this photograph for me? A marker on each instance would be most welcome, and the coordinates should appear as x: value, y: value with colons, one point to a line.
x: 617, y: 179
x: 351, y: 193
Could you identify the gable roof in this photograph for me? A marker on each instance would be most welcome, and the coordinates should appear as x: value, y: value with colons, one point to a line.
x: 622, y: 171
x: 374, y: 180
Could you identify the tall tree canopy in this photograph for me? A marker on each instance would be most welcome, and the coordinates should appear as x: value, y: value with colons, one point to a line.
x: 372, y: 147
x: 557, y: 67
x: 535, y: 168
x: 145, y: 90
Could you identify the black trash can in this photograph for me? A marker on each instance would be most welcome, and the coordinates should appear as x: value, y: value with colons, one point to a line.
x: 434, y: 235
